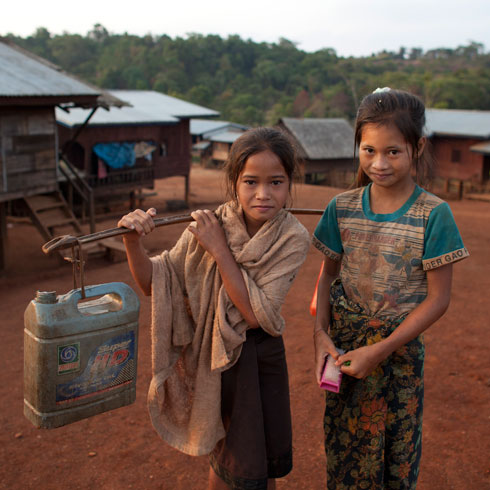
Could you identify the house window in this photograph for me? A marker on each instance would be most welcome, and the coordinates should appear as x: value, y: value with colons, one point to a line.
x: 456, y: 156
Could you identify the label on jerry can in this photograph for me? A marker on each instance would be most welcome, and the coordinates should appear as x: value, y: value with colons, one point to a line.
x: 68, y: 358
x: 110, y: 365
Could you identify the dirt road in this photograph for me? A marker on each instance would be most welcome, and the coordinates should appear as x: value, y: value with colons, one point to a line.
x: 120, y: 449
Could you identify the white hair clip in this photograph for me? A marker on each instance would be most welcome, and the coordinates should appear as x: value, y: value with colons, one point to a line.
x: 380, y: 90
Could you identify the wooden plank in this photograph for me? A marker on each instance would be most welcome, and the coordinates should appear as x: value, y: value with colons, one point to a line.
x: 45, y: 160
x: 26, y: 181
x: 3, y: 236
x: 40, y: 202
x: 32, y: 143
x: 9, y: 196
x: 13, y: 124
x: 3, y: 168
x: 18, y: 164
x: 41, y: 122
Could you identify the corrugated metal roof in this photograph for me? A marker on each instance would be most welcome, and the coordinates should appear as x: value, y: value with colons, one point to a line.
x: 320, y: 138
x: 204, y: 128
x: 148, y: 107
x: 23, y: 74
x: 202, y: 145
x: 455, y: 122
x: 483, y: 147
x: 146, y: 100
x: 226, y: 136
x: 114, y: 117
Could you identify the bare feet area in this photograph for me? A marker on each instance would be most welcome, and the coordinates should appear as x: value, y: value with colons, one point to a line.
x: 120, y: 449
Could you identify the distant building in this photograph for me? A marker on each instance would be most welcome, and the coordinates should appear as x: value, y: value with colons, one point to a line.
x: 212, y: 140
x: 461, y: 144
x: 30, y: 88
x: 124, y: 150
x: 326, y: 147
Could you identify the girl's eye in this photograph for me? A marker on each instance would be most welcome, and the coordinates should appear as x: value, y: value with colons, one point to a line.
x: 277, y: 182
x: 369, y: 151
x: 249, y: 182
x: 394, y: 152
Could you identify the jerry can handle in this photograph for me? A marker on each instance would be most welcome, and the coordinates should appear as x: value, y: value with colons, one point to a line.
x: 119, y: 288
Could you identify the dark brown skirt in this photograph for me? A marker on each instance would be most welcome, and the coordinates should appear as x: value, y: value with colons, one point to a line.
x: 256, y: 415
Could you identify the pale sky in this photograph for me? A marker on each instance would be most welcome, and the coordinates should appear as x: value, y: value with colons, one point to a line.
x: 351, y: 27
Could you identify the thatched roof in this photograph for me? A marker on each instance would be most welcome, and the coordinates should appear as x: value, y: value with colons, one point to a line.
x: 321, y: 139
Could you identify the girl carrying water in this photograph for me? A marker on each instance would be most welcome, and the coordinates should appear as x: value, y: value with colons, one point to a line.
x: 220, y: 382
x: 388, y: 248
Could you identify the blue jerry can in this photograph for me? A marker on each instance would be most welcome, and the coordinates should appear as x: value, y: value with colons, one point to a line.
x: 80, y: 357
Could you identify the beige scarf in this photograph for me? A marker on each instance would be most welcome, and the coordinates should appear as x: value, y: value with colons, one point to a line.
x: 197, y: 332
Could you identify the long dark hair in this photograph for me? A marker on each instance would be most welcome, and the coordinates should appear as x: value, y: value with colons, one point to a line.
x: 407, y: 113
x: 255, y: 141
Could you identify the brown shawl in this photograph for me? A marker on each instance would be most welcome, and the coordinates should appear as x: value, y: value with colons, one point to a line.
x: 197, y: 331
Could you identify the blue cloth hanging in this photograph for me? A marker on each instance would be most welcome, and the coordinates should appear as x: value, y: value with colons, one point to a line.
x: 116, y: 155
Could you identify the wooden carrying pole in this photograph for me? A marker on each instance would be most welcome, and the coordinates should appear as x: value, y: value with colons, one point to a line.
x: 67, y: 241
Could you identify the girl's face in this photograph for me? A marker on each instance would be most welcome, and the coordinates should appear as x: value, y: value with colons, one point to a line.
x: 262, y: 189
x: 385, y: 157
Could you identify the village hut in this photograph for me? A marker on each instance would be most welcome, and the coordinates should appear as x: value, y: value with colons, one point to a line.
x: 30, y: 89
x: 120, y: 153
x: 326, y: 147
x: 212, y: 140
x: 460, y: 142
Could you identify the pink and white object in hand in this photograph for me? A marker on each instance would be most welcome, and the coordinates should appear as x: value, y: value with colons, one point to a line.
x: 332, y: 375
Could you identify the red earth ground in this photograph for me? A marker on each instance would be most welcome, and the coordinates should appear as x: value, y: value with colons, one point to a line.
x: 120, y: 449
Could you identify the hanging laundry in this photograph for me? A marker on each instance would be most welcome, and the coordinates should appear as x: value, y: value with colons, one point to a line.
x: 144, y: 149
x: 116, y: 155
x: 101, y: 169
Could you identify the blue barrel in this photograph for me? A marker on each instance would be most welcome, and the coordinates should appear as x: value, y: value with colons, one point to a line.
x: 80, y: 356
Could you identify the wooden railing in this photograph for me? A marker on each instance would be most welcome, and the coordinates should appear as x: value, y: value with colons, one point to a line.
x: 117, y: 179
x: 83, y: 189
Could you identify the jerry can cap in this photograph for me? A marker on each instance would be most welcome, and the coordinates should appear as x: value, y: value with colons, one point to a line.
x: 46, y: 297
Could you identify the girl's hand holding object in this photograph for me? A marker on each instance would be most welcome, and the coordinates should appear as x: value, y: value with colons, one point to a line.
x: 360, y: 362
x: 208, y: 231
x: 323, y: 347
x: 140, y: 221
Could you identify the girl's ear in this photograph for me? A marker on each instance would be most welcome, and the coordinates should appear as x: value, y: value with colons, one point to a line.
x: 421, y: 145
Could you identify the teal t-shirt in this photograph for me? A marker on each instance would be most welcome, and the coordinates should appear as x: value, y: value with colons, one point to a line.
x: 385, y: 256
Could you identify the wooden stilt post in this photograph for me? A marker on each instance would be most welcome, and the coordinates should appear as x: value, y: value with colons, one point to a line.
x: 186, y: 197
x: 3, y: 236
x: 460, y: 190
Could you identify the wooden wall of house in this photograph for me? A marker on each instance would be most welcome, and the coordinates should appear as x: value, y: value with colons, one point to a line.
x: 27, y: 151
x: 172, y: 157
x: 220, y: 151
x: 455, y: 160
x: 335, y: 173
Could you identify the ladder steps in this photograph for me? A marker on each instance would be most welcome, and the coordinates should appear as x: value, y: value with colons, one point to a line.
x: 43, y: 203
x: 58, y: 222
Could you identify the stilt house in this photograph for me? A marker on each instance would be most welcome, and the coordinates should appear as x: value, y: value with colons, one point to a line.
x: 461, y: 145
x: 122, y: 151
x: 30, y: 89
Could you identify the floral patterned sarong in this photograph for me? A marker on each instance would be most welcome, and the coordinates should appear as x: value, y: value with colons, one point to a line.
x: 373, y: 427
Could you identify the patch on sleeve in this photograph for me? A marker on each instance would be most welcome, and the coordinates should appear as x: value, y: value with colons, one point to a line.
x: 325, y: 250
x: 445, y: 259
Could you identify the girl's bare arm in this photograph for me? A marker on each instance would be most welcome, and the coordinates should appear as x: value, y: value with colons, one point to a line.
x: 365, y: 359
x: 323, y: 343
x: 139, y: 262
x: 211, y: 237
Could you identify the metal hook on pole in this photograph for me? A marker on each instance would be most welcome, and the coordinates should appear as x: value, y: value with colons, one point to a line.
x: 77, y: 264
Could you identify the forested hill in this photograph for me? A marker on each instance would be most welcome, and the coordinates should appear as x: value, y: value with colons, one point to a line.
x: 256, y: 83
